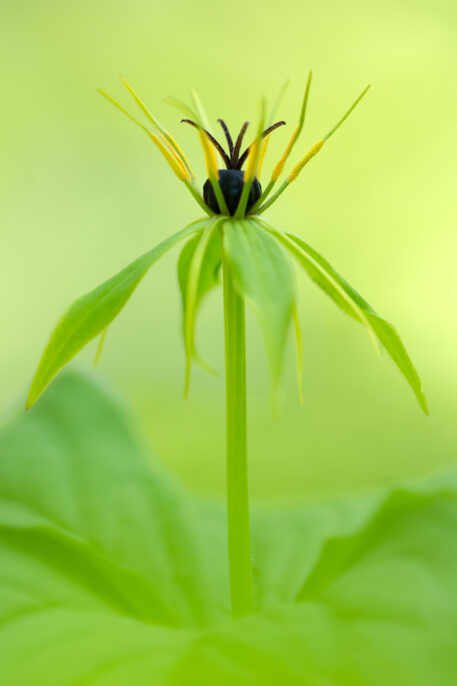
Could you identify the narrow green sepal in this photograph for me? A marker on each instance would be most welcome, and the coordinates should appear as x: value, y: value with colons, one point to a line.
x: 198, y: 273
x: 262, y: 274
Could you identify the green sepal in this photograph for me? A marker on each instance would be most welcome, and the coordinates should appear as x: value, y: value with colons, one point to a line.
x: 195, y: 283
x: 263, y: 275
x: 92, y: 312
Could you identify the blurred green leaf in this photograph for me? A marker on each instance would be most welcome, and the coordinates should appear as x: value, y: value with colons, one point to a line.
x: 198, y: 273
x: 263, y: 275
x: 101, y: 557
x: 351, y: 302
x: 92, y: 312
x: 378, y: 604
x: 111, y: 574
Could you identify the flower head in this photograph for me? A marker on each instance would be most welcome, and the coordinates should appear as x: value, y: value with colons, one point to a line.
x: 230, y: 191
x: 234, y: 234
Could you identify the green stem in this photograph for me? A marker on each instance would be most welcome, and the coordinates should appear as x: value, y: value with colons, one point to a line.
x: 273, y: 198
x: 239, y: 540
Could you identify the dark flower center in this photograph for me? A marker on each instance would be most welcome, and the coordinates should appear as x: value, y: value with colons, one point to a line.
x: 232, y: 179
x: 231, y: 182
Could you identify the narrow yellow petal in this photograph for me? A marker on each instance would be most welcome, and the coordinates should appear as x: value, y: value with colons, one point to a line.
x: 212, y: 169
x: 180, y: 152
x: 255, y: 149
x: 172, y: 158
x: 277, y: 171
x: 263, y: 152
x: 210, y: 156
x: 309, y: 155
x: 252, y: 162
x: 175, y: 155
x: 176, y: 165
x: 157, y: 124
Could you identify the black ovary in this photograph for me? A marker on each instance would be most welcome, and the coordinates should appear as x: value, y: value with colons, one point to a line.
x: 231, y: 182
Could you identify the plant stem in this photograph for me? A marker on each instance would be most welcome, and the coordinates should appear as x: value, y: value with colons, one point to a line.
x: 238, y: 527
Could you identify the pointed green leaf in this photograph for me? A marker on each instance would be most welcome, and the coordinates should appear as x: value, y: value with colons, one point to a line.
x: 263, y: 275
x: 351, y: 302
x: 91, y: 313
x: 198, y: 273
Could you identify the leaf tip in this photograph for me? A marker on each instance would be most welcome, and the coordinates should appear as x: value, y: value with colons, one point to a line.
x: 31, y: 399
x: 424, y: 405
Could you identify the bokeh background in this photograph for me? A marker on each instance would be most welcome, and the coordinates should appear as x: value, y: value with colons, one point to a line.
x: 83, y: 192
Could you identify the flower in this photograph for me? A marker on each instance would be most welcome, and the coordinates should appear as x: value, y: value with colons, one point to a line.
x: 232, y: 191
x: 235, y: 234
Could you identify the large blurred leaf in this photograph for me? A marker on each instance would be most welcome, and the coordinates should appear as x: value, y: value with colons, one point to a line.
x: 110, y: 574
x: 101, y: 558
x: 351, y: 302
x: 92, y: 312
x: 262, y: 274
x: 357, y: 593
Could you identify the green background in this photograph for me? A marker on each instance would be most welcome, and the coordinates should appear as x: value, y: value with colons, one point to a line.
x: 84, y: 192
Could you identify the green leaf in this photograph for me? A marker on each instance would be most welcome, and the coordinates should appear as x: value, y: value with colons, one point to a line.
x: 352, y: 303
x: 358, y: 592
x: 198, y: 273
x: 104, y: 576
x: 91, y: 313
x: 262, y: 274
x: 111, y: 574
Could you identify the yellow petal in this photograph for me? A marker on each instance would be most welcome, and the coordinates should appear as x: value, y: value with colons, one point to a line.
x: 309, y: 155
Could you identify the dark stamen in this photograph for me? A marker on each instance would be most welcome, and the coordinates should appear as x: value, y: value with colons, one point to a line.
x: 239, y: 140
x: 228, y: 137
x: 266, y: 133
x: 219, y: 148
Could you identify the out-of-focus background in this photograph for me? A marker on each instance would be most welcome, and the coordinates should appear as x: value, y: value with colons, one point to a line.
x: 83, y: 192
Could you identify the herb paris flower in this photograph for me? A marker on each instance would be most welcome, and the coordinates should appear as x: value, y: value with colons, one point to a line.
x: 255, y: 259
